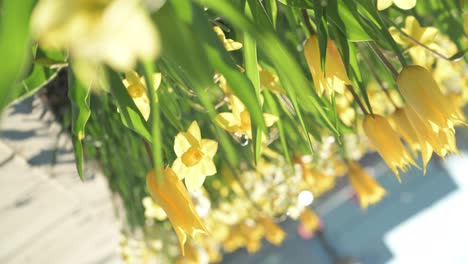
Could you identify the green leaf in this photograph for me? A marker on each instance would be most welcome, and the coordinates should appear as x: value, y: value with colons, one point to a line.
x: 129, y: 113
x: 33, y: 83
x: 322, y: 32
x: 340, y: 15
x: 274, y: 109
x: 251, y: 69
x: 272, y: 11
x: 80, y: 110
x: 15, y: 46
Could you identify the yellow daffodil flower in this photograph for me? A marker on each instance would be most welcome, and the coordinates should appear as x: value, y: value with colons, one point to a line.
x: 136, y: 87
x: 273, y: 233
x: 335, y: 77
x: 424, y: 35
x: 229, y: 44
x: 368, y: 190
x: 112, y: 32
x: 238, y: 121
x: 387, y: 143
x: 422, y: 93
x: 194, y: 157
x: 309, y: 220
x: 403, y: 4
x: 172, y: 196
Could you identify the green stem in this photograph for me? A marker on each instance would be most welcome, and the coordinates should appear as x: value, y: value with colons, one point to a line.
x: 357, y: 99
x: 383, y: 59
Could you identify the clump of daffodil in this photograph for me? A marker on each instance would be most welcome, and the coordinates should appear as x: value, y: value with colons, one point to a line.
x: 238, y: 121
x: 403, y: 4
x: 112, y: 32
x: 368, y: 190
x: 424, y: 35
x: 229, y: 44
x: 310, y: 220
x: 194, y: 157
x: 387, y: 143
x: 422, y: 93
x: 334, y: 77
x: 136, y: 88
x: 172, y: 196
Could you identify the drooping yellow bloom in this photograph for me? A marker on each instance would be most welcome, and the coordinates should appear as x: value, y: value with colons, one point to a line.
x: 238, y: 121
x: 172, y: 196
x: 273, y: 233
x: 194, y: 157
x: 310, y: 220
x: 403, y: 4
x: 229, y: 44
x: 368, y: 190
x: 412, y: 134
x: 112, y: 32
x: 388, y: 144
x: 422, y: 93
x: 423, y: 35
x: 335, y: 77
x: 136, y: 87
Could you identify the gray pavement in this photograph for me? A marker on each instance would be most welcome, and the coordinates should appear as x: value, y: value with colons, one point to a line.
x: 47, y: 214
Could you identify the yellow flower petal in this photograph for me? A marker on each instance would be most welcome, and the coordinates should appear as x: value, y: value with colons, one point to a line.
x: 269, y: 119
x: 179, y: 168
x: 194, y: 130
x: 384, y: 4
x: 227, y: 121
x: 309, y: 220
x: 195, y: 180
x: 423, y: 94
x: 181, y: 144
x: 207, y: 167
x: 209, y: 147
x: 387, y: 143
x: 367, y: 188
x: 405, y: 4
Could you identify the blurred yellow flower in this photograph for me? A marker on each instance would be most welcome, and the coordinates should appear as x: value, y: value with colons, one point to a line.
x: 423, y: 35
x: 403, y: 4
x: 367, y: 188
x: 335, y: 77
x: 318, y: 182
x: 229, y: 44
x: 238, y: 121
x: 171, y: 194
x: 269, y: 81
x: 422, y: 93
x: 136, y: 87
x: 310, y: 220
x: 388, y: 144
x: 273, y: 233
x: 194, y: 157
x: 153, y: 210
x: 112, y: 32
